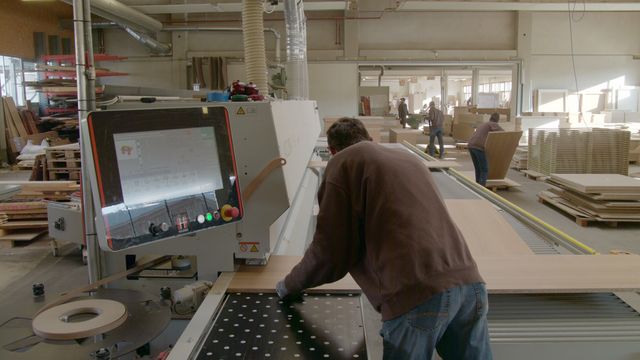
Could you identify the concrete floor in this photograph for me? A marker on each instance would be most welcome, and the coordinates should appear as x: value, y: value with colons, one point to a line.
x: 24, y: 265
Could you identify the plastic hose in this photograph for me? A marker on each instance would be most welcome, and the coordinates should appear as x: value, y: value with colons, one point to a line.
x: 255, y: 58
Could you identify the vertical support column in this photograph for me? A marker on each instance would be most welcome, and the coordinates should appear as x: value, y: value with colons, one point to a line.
x: 475, y: 82
x: 350, y: 39
x: 444, y: 91
x: 524, y: 47
x: 86, y: 103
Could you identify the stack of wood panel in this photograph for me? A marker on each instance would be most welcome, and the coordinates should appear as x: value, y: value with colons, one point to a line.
x: 63, y: 162
x: 24, y: 217
x: 519, y: 160
x: 609, y: 198
x: 579, y: 151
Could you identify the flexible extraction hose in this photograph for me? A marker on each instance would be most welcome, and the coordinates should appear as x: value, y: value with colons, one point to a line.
x: 255, y: 59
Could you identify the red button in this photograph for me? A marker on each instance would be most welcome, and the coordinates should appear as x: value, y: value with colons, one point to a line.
x: 232, y: 213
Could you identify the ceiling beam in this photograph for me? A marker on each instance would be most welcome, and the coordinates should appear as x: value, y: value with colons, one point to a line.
x: 416, y: 5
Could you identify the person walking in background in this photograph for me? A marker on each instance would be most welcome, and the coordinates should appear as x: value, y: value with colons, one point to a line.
x: 435, y: 118
x: 416, y: 269
x: 403, y: 112
x: 476, y: 148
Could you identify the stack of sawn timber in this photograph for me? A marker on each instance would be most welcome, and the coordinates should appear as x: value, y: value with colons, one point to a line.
x: 607, y: 198
x: 24, y: 217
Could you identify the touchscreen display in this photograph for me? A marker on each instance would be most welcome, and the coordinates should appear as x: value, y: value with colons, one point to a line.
x: 165, y: 164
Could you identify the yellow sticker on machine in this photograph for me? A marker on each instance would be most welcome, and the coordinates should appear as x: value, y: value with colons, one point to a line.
x: 240, y: 111
x: 254, y: 248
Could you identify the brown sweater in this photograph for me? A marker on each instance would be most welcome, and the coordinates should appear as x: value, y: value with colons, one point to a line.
x: 383, y: 221
x: 480, y: 136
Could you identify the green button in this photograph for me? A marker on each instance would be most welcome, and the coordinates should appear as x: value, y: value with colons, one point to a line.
x: 209, y: 217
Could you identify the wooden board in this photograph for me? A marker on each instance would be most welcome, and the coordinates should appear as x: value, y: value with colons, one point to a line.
x: 264, y: 278
x: 34, y: 224
x: 499, y: 149
x: 492, y: 183
x: 10, y: 105
x: 485, y: 230
x: 503, y: 274
x: 560, y: 273
x: 21, y: 235
x: 598, y: 183
x: 400, y: 135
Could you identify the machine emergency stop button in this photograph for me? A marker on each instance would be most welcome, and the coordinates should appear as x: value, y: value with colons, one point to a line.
x: 229, y: 212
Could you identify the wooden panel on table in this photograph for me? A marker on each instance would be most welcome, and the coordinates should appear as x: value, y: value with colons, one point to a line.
x: 500, y: 148
x: 560, y: 273
x: 485, y: 230
x: 264, y: 278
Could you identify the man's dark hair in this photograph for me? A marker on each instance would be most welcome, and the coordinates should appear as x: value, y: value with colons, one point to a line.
x: 346, y: 132
x: 495, y: 117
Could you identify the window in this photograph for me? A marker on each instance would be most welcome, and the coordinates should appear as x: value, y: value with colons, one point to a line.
x: 13, y: 73
x: 467, y: 92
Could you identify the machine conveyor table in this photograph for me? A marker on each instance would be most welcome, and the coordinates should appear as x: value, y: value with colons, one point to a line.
x: 260, y: 326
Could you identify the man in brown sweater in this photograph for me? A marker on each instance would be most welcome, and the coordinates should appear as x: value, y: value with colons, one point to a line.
x: 476, y: 148
x: 383, y: 221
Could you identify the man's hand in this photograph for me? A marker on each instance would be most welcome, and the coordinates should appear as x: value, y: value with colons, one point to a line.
x: 285, y: 295
x: 281, y: 290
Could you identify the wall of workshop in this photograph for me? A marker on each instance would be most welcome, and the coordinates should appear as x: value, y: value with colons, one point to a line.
x: 19, y: 20
x: 604, y: 45
x: 439, y: 31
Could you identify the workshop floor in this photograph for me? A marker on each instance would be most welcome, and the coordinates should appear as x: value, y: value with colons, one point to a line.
x: 24, y: 265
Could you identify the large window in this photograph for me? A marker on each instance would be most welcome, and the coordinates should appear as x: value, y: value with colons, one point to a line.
x: 503, y: 89
x: 14, y: 72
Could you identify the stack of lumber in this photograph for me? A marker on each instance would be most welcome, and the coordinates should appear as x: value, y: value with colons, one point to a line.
x: 579, y: 151
x: 609, y: 198
x: 17, y: 127
x: 519, y: 160
x: 63, y: 162
x: 24, y: 217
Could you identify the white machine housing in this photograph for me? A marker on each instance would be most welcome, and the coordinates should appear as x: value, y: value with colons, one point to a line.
x: 261, y: 132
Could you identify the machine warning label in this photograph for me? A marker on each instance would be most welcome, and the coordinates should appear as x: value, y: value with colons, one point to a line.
x: 249, y: 246
x: 240, y: 111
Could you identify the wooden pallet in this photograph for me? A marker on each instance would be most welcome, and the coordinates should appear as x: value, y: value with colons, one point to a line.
x: 534, y: 175
x: 580, y: 217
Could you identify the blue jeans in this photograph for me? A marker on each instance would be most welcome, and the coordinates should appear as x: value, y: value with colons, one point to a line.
x: 453, y: 322
x: 432, y: 146
x: 480, y: 164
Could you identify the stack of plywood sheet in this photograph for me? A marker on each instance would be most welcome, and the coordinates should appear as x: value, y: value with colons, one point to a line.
x: 579, y: 151
x: 609, y: 198
x: 519, y: 161
x: 24, y: 217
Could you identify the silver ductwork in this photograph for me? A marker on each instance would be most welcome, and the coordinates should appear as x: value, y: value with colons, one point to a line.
x: 297, y: 71
x: 123, y: 15
x: 154, y: 45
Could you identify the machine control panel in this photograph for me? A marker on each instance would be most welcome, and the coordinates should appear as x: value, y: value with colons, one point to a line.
x: 162, y: 173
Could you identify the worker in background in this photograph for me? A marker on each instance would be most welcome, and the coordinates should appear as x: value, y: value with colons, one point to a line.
x: 403, y: 112
x: 383, y: 221
x: 435, y: 118
x: 476, y: 148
